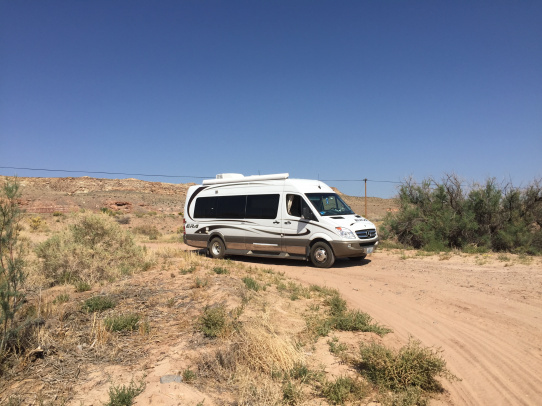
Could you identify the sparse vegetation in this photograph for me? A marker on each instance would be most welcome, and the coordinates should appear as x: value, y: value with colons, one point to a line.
x: 239, y: 343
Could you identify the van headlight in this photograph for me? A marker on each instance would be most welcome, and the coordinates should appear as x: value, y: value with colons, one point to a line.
x: 345, y: 233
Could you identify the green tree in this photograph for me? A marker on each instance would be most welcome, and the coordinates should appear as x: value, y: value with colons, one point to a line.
x: 12, y: 263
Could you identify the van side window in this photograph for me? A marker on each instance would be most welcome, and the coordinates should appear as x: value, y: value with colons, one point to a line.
x: 237, y: 207
x: 262, y: 206
x: 205, y: 207
x: 295, y: 205
x: 231, y: 207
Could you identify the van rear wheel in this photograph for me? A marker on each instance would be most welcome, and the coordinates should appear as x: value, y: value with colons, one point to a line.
x: 216, y: 248
x: 322, y: 255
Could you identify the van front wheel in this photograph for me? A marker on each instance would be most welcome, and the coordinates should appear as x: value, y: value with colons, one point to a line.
x: 322, y: 255
x: 217, y: 249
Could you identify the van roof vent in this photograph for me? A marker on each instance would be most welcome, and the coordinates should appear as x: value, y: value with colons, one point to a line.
x: 229, y: 176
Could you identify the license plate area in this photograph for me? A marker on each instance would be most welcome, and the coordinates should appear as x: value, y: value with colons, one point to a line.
x: 368, y: 250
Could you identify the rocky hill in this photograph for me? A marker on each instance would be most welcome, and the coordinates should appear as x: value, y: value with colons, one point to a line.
x: 48, y: 195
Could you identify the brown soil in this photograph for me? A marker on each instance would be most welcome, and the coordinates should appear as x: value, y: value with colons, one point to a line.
x: 483, y: 311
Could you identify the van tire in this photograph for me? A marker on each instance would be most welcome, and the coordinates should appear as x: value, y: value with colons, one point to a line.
x: 322, y: 255
x: 216, y: 248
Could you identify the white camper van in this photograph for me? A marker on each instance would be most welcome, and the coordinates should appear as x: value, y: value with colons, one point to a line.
x: 275, y: 216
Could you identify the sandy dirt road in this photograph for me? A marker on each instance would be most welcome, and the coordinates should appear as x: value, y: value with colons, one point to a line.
x: 484, y: 313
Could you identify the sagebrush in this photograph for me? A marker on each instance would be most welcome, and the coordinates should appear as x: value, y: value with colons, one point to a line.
x: 93, y: 249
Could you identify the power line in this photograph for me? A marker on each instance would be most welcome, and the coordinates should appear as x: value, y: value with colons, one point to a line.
x: 173, y: 176
x: 107, y: 173
x: 359, y: 180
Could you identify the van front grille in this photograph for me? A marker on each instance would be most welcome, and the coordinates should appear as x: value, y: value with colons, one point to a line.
x: 366, y: 234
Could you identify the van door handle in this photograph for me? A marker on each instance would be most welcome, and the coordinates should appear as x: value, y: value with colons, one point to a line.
x: 287, y: 222
x: 276, y: 222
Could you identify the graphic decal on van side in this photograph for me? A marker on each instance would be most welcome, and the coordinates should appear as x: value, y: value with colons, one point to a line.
x: 189, y: 204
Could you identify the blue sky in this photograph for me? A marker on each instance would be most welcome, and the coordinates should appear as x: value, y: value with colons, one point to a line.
x: 320, y: 89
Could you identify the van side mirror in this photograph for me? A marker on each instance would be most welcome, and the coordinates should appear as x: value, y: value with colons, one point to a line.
x: 308, y: 214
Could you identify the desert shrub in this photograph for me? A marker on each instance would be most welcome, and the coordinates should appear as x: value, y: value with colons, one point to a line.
x: 335, y: 347
x: 12, y: 264
x: 123, y: 322
x: 188, y: 375
x: 355, y: 320
x: 439, y: 216
x: 185, y: 271
x: 148, y: 230
x: 343, y: 319
x: 36, y: 223
x: 337, y: 305
x: 62, y: 298
x: 124, y: 395
x: 220, y: 270
x: 413, y: 366
x: 82, y: 286
x: 213, y: 322
x: 98, y: 304
x: 93, y: 249
x: 251, y: 284
x: 292, y: 394
x: 342, y: 389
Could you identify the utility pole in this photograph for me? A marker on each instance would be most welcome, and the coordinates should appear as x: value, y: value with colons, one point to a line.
x: 365, y: 180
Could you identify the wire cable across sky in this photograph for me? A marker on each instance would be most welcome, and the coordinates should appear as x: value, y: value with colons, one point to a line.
x: 169, y: 176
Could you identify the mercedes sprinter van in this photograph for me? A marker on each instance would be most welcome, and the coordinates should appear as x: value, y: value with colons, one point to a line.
x: 275, y: 216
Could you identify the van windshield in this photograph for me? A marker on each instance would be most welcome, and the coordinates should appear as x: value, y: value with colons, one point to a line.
x: 329, y: 204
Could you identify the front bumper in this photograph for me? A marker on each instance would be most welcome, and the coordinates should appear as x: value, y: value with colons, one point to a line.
x: 353, y: 248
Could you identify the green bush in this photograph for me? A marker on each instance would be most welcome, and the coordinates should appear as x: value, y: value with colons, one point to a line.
x: 213, y: 322
x: 439, y: 216
x: 413, y: 366
x: 94, y: 248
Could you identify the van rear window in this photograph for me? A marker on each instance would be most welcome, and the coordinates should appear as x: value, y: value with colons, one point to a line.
x: 205, y: 207
x: 237, y: 207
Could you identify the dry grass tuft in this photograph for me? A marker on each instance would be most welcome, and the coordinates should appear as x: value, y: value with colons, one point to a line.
x: 260, y: 349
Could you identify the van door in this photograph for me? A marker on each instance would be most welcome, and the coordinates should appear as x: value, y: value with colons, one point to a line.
x: 296, y: 230
x: 262, y: 222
